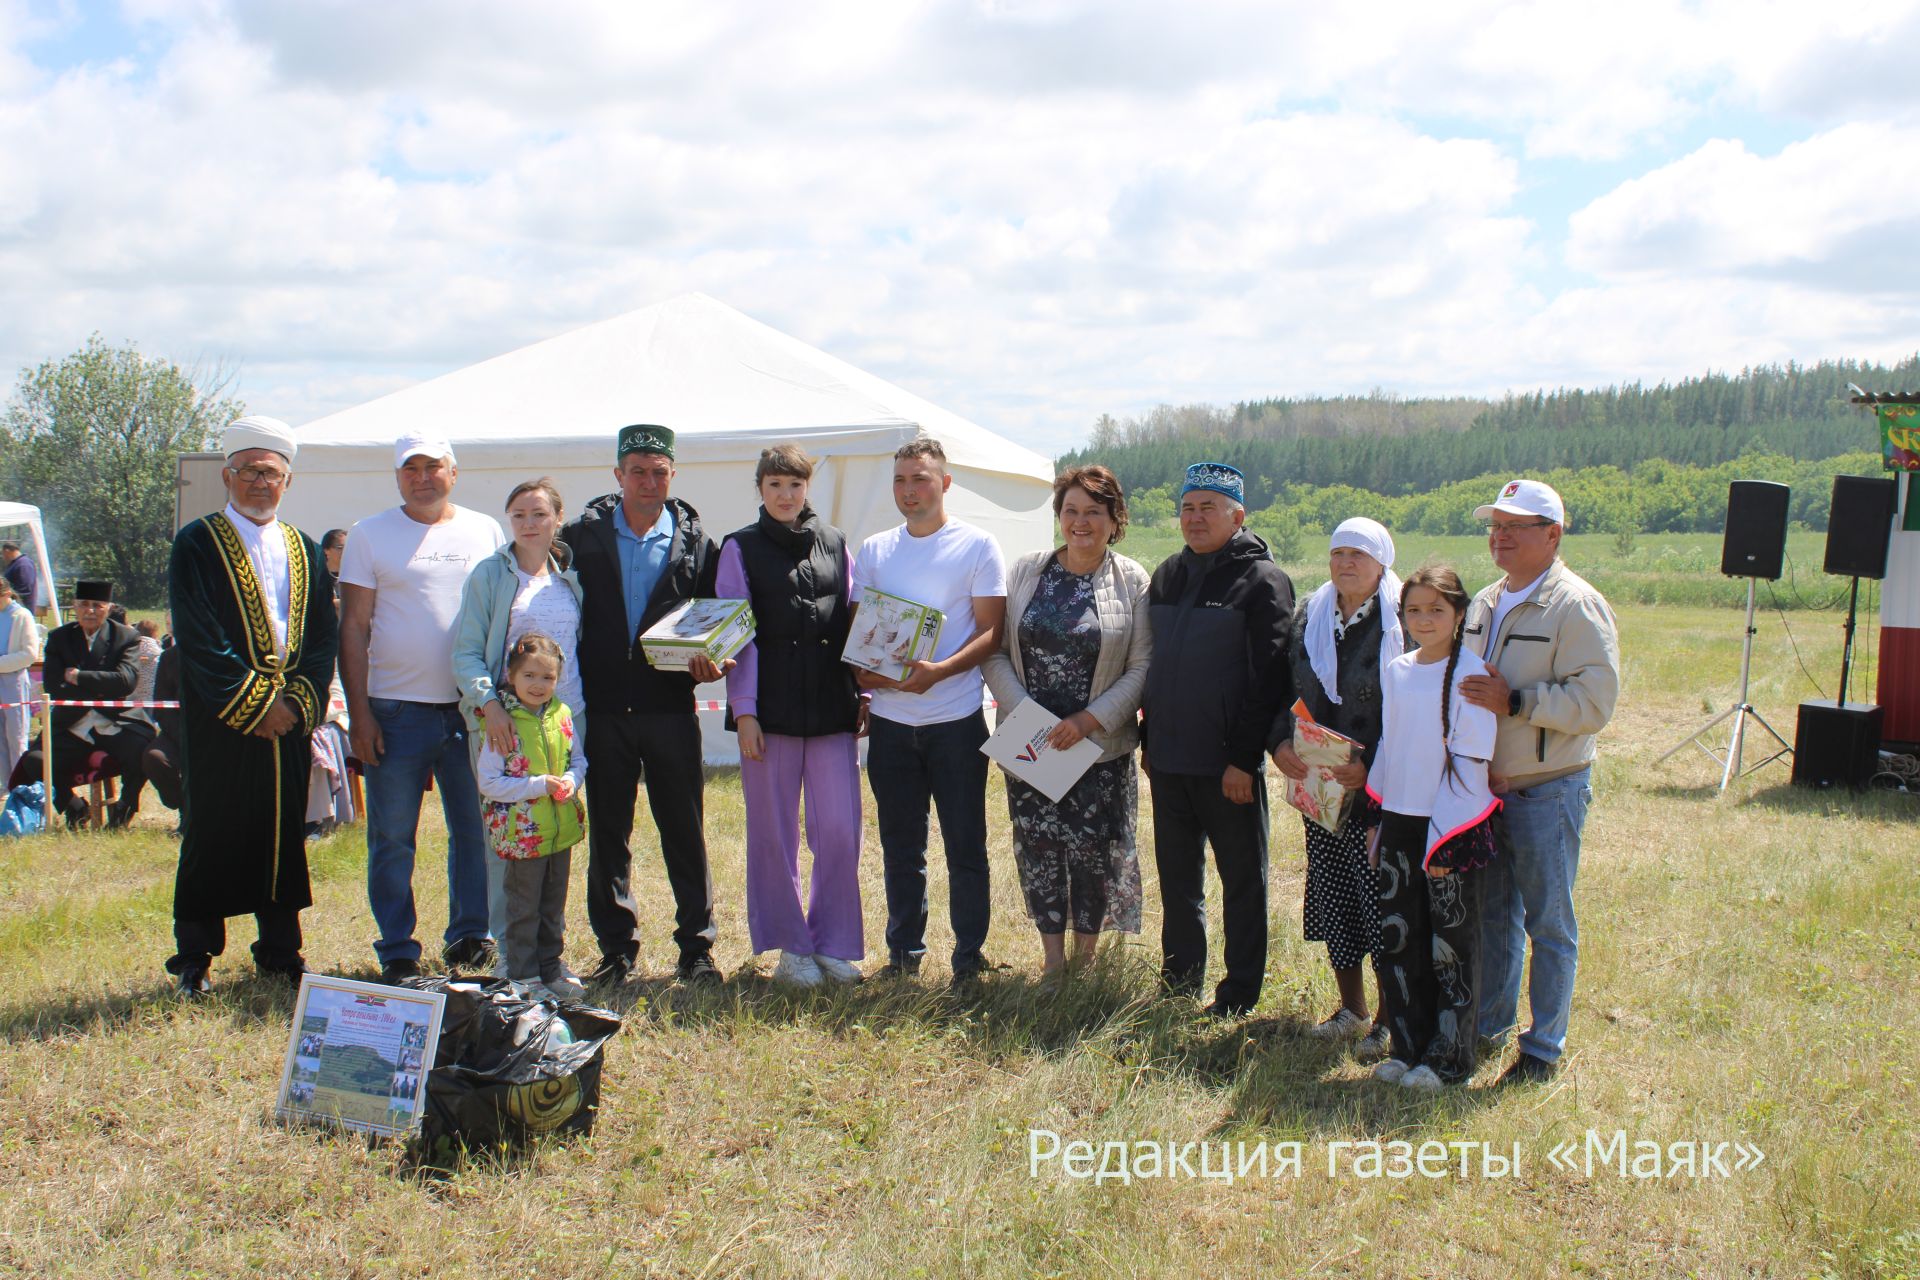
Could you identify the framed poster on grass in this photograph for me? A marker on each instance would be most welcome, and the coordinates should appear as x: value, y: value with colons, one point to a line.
x: 358, y: 1055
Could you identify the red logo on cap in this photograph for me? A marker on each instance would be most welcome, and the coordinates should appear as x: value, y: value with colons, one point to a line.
x: 1510, y: 490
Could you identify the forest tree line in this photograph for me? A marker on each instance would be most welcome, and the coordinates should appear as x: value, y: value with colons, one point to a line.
x: 1385, y: 445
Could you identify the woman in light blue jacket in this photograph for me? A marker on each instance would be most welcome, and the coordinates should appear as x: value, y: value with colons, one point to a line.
x: 523, y: 587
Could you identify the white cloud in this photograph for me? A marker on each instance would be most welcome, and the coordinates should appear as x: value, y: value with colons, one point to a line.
x: 1034, y: 212
x: 1827, y: 212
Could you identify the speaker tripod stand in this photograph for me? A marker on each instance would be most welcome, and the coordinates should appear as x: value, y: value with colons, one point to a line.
x: 1740, y: 713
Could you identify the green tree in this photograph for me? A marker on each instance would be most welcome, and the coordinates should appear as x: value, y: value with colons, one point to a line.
x: 91, y: 439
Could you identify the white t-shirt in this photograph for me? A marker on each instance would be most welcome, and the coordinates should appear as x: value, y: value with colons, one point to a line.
x: 418, y: 571
x: 946, y: 569
x: 1408, y: 768
x: 1508, y: 599
x: 546, y: 604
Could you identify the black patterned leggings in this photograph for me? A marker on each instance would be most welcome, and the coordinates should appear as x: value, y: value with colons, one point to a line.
x: 1429, y: 933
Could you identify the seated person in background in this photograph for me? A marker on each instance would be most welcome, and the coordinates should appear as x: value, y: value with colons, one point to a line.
x: 329, y: 794
x: 146, y: 660
x: 90, y: 659
x: 161, y: 761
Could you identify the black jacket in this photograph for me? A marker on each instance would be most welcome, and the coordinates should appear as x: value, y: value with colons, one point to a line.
x: 1221, y: 627
x: 106, y: 670
x: 1358, y: 714
x: 614, y: 672
x: 797, y: 580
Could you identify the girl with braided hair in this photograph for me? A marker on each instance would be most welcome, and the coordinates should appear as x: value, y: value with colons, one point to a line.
x: 1432, y: 829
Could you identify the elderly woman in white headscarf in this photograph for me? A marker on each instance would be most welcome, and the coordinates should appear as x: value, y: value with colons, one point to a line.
x: 1345, y: 635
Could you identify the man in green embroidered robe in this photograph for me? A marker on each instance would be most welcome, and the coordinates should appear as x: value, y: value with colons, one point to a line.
x: 253, y: 617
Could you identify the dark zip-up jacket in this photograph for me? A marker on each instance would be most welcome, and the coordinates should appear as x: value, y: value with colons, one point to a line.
x: 614, y: 672
x: 1221, y: 626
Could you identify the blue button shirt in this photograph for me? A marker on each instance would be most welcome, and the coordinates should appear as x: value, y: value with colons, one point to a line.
x: 642, y: 560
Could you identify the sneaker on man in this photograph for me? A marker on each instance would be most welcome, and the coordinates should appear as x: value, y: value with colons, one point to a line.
x: 1344, y: 1025
x: 1375, y: 1045
x: 1423, y: 1077
x: 837, y: 969
x: 797, y: 969
x: 470, y: 954
x: 1527, y: 1069
x: 1392, y: 1071
x: 611, y: 971
x: 394, y: 972
x: 699, y: 970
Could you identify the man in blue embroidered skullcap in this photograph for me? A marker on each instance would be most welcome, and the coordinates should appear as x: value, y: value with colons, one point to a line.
x: 1222, y: 615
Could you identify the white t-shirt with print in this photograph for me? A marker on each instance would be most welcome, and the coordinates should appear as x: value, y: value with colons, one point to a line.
x: 417, y: 572
x: 546, y: 604
x: 946, y: 569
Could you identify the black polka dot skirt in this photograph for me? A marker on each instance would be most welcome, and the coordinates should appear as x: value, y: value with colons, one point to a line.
x: 1342, y: 907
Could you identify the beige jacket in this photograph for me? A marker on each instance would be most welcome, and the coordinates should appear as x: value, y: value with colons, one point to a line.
x: 1126, y: 646
x: 1560, y: 650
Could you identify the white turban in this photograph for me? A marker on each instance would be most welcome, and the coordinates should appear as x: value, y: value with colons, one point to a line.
x: 256, y: 431
x: 1323, y: 655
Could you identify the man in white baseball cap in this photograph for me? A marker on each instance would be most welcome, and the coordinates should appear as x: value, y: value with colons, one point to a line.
x: 1551, y: 642
x: 401, y: 578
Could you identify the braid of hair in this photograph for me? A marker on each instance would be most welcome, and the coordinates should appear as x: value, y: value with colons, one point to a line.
x: 1446, y: 701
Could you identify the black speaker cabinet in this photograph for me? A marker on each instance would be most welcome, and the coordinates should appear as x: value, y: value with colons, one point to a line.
x: 1860, y: 526
x: 1756, y: 541
x: 1836, y: 746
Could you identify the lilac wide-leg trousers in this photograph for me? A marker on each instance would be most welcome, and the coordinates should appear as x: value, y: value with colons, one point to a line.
x: 780, y: 912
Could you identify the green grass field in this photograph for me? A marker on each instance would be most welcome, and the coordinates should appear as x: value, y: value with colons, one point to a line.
x: 1747, y: 975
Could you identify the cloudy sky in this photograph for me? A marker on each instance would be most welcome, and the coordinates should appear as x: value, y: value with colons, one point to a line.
x: 1032, y: 212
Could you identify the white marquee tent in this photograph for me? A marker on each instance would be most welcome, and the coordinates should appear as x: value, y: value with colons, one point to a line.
x: 728, y: 385
x: 15, y: 515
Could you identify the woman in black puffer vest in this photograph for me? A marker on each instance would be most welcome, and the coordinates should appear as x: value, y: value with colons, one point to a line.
x: 795, y: 708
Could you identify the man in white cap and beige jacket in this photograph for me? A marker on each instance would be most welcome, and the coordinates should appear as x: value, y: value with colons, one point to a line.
x: 401, y: 578
x: 1554, y: 650
x: 254, y: 626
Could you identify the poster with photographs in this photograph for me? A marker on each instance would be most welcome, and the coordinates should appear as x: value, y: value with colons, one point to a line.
x: 358, y: 1054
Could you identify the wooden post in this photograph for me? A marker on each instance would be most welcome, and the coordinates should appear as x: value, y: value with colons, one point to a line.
x: 46, y: 756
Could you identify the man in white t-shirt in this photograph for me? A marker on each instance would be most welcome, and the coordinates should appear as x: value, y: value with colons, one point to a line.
x: 400, y: 582
x: 924, y: 732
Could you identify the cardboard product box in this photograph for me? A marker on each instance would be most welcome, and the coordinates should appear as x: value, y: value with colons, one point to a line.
x: 717, y: 628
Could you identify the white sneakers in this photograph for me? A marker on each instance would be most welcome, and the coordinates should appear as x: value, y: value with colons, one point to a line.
x: 1344, y: 1025
x: 1373, y: 1046
x: 567, y: 985
x: 835, y: 968
x: 797, y: 970
x: 1392, y: 1071
x: 1422, y: 1077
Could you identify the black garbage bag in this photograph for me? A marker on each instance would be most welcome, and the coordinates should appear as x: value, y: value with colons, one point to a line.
x: 509, y: 1069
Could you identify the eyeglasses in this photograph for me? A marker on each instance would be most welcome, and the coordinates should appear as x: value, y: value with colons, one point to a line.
x: 260, y: 475
x: 1495, y: 530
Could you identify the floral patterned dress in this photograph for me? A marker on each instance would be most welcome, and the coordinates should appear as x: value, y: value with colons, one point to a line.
x: 1077, y: 863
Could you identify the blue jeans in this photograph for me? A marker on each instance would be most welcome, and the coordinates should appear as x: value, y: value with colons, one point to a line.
x: 908, y: 765
x: 422, y: 740
x: 1527, y: 893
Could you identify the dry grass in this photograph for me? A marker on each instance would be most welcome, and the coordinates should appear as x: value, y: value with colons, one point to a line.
x: 1747, y: 973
